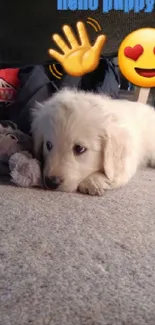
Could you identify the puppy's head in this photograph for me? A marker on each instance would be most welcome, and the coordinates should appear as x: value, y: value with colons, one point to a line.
x: 67, y: 132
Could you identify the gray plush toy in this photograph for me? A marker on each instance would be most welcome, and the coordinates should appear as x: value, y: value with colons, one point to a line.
x: 16, y: 157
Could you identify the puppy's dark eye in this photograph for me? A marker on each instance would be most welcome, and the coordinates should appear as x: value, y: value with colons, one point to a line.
x: 78, y: 149
x: 49, y: 145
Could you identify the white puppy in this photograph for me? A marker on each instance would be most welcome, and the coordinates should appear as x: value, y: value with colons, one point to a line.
x: 90, y: 142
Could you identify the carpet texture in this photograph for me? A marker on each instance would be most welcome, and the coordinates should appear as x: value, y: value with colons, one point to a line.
x: 69, y: 259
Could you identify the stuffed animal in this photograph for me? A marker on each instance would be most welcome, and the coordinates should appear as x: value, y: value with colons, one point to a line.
x: 16, y: 157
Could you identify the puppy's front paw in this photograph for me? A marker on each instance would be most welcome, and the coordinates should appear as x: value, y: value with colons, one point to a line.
x: 89, y: 186
x: 95, y: 184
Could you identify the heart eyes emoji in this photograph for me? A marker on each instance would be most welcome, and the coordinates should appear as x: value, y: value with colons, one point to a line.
x: 136, y: 57
x: 134, y: 52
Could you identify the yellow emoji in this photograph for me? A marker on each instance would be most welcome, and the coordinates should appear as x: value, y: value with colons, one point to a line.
x: 78, y: 58
x: 136, y: 57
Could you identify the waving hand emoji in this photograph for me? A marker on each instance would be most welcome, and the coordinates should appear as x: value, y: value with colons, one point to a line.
x: 78, y: 59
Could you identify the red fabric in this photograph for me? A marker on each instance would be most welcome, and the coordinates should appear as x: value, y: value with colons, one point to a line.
x: 9, y: 84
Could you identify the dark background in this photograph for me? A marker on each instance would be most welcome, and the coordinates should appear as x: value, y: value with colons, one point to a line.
x: 26, y: 28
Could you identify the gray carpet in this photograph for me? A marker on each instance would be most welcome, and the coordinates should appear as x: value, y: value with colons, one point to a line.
x: 69, y: 259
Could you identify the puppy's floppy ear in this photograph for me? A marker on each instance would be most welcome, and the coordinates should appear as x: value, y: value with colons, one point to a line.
x: 37, y: 130
x: 116, y: 148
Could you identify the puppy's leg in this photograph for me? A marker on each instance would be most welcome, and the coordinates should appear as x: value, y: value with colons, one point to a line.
x: 120, y: 162
x: 98, y: 183
x: 95, y: 184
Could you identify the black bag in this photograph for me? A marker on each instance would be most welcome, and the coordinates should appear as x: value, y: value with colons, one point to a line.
x: 38, y: 84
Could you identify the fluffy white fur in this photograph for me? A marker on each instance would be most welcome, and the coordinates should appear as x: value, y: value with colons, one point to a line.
x: 119, y: 136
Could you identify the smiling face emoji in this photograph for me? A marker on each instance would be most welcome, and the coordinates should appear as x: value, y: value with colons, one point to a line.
x: 136, y: 57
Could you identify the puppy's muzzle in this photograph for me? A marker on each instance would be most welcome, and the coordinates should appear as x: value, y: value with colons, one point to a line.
x: 53, y: 182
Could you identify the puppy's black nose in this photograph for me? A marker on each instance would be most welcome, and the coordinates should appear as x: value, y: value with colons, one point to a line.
x: 53, y: 182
